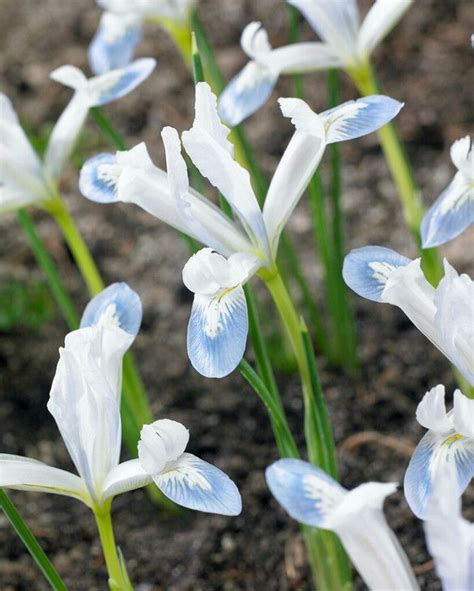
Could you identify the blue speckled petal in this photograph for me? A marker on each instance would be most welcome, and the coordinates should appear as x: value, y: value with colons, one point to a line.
x: 117, y: 83
x: 217, y: 333
x: 98, y: 181
x: 195, y: 484
x: 114, y: 42
x: 360, y: 117
x: 366, y: 270
x: 128, y: 308
x: 305, y: 492
x: 246, y: 93
x: 435, y: 453
x: 450, y: 214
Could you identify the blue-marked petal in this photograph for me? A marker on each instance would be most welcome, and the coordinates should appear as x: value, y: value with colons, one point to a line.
x: 195, y: 484
x: 358, y: 118
x: 114, y: 42
x: 217, y: 332
x: 433, y: 455
x: 450, y: 214
x: 367, y: 270
x: 99, y: 177
x: 120, y: 301
x: 246, y: 93
x: 306, y: 493
x: 117, y: 83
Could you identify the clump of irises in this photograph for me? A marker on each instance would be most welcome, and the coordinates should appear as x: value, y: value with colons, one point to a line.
x: 232, y: 240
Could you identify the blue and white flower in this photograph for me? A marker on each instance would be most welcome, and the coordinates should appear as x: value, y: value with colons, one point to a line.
x: 453, y: 211
x: 450, y: 537
x: 24, y: 177
x: 443, y: 314
x: 121, y: 27
x: 345, y: 44
x: 85, y: 403
x: 312, y: 497
x: 449, y: 442
x: 239, y: 248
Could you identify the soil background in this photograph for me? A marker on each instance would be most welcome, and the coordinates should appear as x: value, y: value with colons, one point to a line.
x: 427, y: 62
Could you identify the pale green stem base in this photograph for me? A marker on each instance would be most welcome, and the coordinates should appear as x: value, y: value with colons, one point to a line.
x: 118, y: 577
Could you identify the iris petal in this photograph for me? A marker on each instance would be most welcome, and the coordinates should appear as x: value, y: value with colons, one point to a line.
x: 98, y: 181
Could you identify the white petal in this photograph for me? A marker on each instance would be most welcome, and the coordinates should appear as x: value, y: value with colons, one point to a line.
x: 431, y: 412
x: 246, y: 93
x: 69, y: 76
x: 463, y: 414
x: 306, y: 493
x: 119, y: 300
x: 195, y: 484
x: 12, y: 198
x: 25, y: 474
x: 462, y: 156
x: 209, y: 150
x: 254, y: 40
x: 358, y: 118
x: 380, y: 20
x: 217, y: 332
x: 125, y: 477
x: 450, y: 214
x: 336, y: 22
x: 432, y: 457
x: 151, y: 451
x: 114, y: 42
x: 99, y: 178
x: 301, y: 57
x: 366, y: 270
x: 176, y: 10
x: 296, y: 168
x: 65, y: 133
x: 174, y: 436
x: 449, y: 537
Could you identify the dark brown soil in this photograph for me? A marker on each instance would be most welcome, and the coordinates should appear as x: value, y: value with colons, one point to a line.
x: 427, y: 63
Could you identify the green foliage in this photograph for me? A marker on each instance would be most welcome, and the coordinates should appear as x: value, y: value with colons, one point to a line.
x: 24, y: 305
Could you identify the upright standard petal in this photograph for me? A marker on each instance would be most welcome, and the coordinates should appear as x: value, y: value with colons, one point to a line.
x: 314, y: 498
x: 120, y: 303
x: 366, y: 270
x: 380, y: 20
x: 442, y: 447
x: 209, y: 150
x: 21, y: 473
x: 453, y: 211
x: 114, y: 42
x: 449, y: 537
x: 218, y: 326
x: 296, y: 168
x: 195, y: 484
x: 358, y: 118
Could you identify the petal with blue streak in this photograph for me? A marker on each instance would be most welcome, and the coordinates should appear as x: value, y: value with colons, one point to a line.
x: 114, y: 42
x: 435, y: 454
x: 117, y: 83
x: 450, y: 214
x: 195, y: 484
x: 99, y: 177
x: 127, y: 308
x: 366, y: 270
x: 360, y: 117
x: 246, y: 93
x: 306, y: 493
x: 217, y: 332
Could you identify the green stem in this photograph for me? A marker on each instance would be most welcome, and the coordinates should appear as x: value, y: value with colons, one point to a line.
x: 401, y: 171
x: 31, y: 543
x: 118, y: 577
x: 107, y: 129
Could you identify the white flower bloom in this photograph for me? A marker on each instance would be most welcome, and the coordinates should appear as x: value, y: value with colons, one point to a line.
x: 445, y: 315
x: 218, y: 327
x: 449, y: 442
x: 453, y: 211
x: 121, y: 25
x: 312, y: 497
x: 345, y: 44
x: 449, y: 537
x: 85, y: 403
x: 24, y: 177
